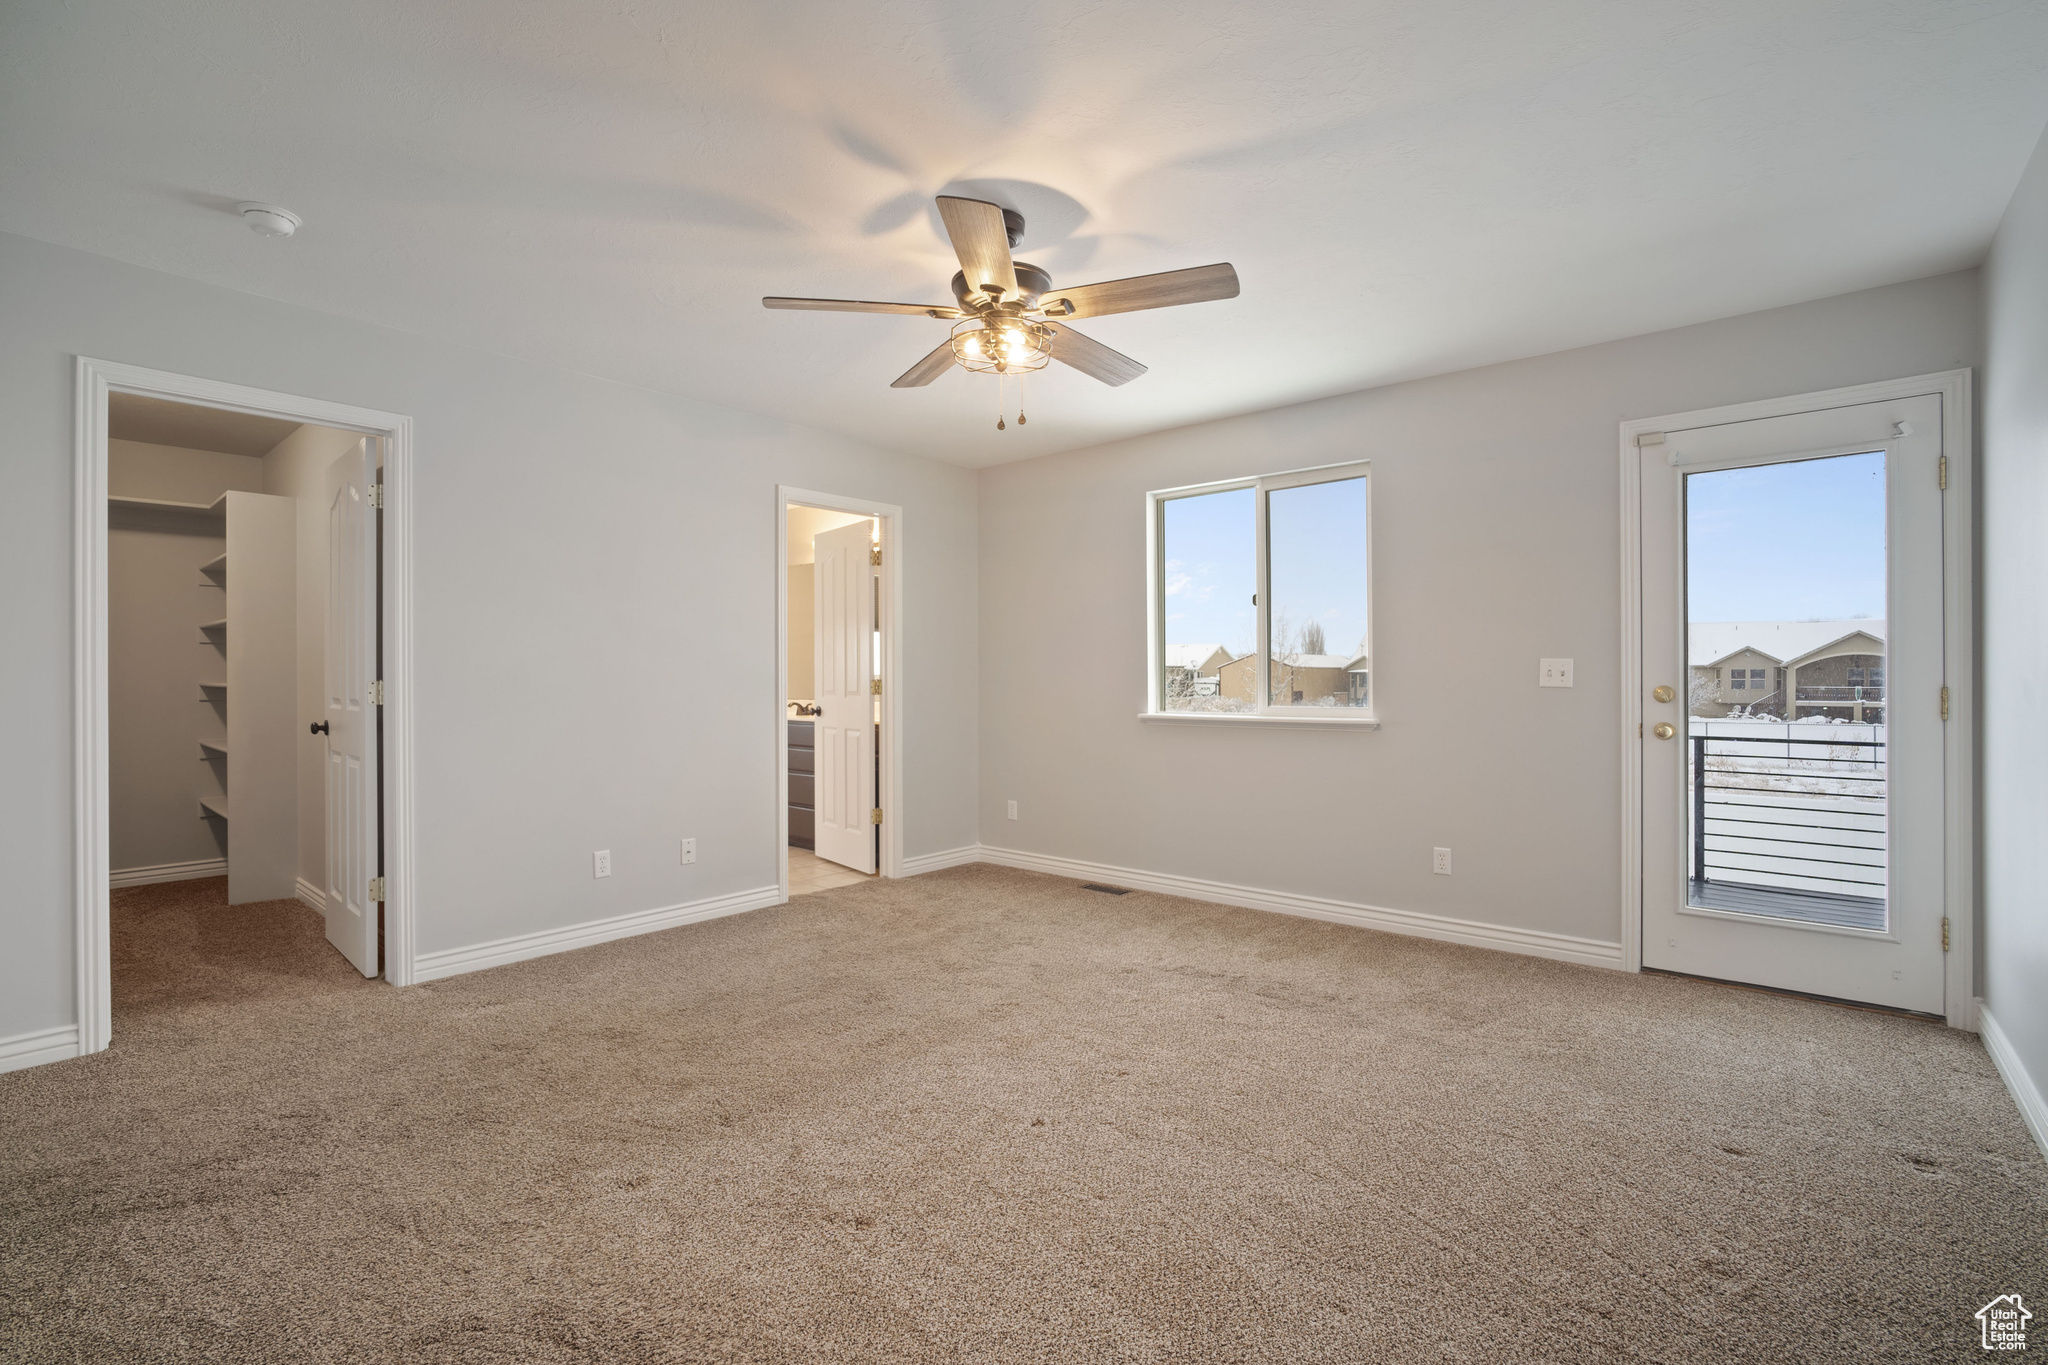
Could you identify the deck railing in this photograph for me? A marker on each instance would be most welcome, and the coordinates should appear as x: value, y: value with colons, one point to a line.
x: 1840, y: 696
x: 1794, y: 813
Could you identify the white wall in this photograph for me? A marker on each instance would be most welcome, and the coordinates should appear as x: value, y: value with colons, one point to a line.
x: 156, y: 657
x: 595, y: 610
x: 1496, y: 512
x: 2014, y: 823
x: 296, y: 467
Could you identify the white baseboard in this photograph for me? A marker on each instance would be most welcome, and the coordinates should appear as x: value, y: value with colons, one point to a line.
x: 1590, y: 952
x: 455, y: 961
x: 168, y: 872
x: 2013, y: 1071
x: 312, y: 895
x: 932, y: 862
x: 34, y: 1049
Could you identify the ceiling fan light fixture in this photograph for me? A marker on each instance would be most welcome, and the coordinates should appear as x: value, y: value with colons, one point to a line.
x: 1016, y: 300
x: 1008, y: 346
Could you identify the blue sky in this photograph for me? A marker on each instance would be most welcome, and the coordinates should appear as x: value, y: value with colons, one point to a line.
x: 1319, y: 562
x: 1787, y: 542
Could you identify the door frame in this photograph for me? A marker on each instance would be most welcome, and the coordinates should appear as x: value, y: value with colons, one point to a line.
x: 889, y: 620
x: 91, y: 849
x: 1959, y: 636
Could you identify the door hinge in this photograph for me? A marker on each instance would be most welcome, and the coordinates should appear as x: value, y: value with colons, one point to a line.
x: 1944, y: 703
x: 376, y: 888
x: 1941, y: 472
x: 875, y: 816
x: 875, y: 556
x: 1944, y: 933
x: 376, y: 495
x: 377, y: 692
x: 876, y: 687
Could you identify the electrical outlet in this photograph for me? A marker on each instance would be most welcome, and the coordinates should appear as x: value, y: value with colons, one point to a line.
x: 689, y: 850
x: 601, y: 863
x: 1013, y: 810
x: 1440, y: 862
x: 1554, y: 673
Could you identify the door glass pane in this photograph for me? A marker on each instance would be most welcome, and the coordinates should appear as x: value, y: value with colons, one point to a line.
x: 1786, y: 764
x: 1210, y: 573
x: 1315, y: 540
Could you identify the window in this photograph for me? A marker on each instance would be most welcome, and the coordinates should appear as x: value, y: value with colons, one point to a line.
x: 1737, y: 680
x: 1260, y: 605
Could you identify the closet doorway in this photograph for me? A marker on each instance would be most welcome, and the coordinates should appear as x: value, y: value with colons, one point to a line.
x: 241, y: 614
x: 838, y: 737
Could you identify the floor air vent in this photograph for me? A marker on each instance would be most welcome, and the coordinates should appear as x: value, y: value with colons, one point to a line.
x: 1106, y: 890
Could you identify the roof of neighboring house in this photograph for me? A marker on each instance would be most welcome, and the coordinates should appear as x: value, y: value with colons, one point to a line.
x: 1350, y: 665
x: 1343, y: 661
x: 1192, y: 656
x: 1713, y: 641
x: 1822, y: 649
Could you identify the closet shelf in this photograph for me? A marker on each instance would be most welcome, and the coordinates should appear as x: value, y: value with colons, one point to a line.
x: 213, y: 807
x: 217, y: 565
x: 221, y: 626
x: 209, y: 748
x: 206, y: 687
x: 201, y: 517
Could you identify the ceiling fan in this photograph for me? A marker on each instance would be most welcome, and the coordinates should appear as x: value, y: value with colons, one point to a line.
x: 1006, y: 312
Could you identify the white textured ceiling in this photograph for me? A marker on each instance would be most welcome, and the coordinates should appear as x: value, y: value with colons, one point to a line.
x: 1406, y: 187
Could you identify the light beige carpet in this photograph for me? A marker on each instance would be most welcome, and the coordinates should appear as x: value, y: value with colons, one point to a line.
x: 986, y: 1116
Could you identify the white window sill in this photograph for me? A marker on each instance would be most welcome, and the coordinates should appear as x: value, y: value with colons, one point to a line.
x: 1325, y: 722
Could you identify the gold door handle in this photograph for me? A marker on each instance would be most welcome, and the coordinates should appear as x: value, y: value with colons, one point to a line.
x: 1664, y: 694
x: 1664, y: 729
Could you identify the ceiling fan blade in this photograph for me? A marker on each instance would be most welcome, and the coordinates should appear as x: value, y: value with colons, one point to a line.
x: 982, y: 242
x: 1197, y: 284
x: 1092, y: 358
x: 928, y: 369
x: 932, y: 310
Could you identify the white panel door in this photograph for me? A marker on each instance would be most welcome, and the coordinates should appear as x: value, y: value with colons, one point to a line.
x: 1793, y: 805
x: 351, y: 719
x: 844, y: 670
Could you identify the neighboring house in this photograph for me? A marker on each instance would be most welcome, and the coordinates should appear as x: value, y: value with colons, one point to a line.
x: 1192, y: 668
x: 1305, y: 680
x: 1794, y: 669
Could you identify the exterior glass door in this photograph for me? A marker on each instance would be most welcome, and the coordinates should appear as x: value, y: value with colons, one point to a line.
x: 1792, y: 745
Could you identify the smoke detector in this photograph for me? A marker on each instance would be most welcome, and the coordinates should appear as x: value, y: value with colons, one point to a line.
x: 269, y: 220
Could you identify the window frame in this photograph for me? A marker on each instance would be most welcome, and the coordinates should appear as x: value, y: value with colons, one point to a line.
x: 1264, y: 712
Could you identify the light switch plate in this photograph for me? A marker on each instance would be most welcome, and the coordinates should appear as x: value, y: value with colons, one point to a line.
x: 1555, y: 673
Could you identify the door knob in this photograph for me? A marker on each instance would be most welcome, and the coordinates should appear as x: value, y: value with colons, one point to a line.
x: 1664, y: 729
x: 1664, y: 694
x: 319, y: 727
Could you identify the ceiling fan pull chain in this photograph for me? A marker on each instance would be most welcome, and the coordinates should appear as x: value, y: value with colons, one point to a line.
x: 999, y: 401
x: 1020, y: 400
